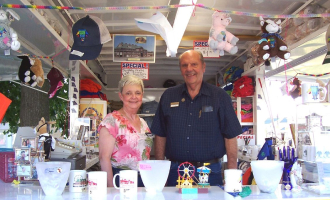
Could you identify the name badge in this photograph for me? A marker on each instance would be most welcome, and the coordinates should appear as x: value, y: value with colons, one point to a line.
x: 174, y: 104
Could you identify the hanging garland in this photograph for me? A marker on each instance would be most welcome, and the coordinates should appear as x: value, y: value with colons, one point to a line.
x: 164, y: 7
x: 314, y: 75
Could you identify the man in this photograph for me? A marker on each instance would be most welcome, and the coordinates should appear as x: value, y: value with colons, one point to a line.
x: 195, y: 122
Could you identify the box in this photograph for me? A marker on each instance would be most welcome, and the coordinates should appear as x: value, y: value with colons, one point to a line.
x: 7, y: 167
x: 78, y: 162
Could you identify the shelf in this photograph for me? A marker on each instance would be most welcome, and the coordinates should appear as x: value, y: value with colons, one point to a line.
x: 146, y: 115
x: 247, y: 123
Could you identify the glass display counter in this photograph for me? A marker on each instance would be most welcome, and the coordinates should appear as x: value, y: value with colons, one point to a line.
x: 313, y: 137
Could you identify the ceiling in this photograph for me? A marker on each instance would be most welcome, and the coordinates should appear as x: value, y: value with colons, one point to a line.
x: 39, y: 37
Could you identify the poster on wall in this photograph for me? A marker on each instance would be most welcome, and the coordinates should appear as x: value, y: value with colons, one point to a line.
x: 134, y: 48
x: 203, y: 47
x: 138, y: 69
x: 94, y: 109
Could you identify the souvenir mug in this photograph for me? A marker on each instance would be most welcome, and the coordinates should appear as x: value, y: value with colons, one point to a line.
x: 77, y: 181
x: 310, y: 92
x: 127, y: 181
x: 97, y: 183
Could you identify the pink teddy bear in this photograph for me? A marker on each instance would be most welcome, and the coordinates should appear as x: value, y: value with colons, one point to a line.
x: 220, y: 38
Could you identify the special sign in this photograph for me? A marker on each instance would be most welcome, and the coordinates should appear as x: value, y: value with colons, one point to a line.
x: 138, y: 69
x: 203, y: 47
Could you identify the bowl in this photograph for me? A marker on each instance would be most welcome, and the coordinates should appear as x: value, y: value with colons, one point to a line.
x: 53, y: 176
x: 267, y: 174
x: 154, y: 174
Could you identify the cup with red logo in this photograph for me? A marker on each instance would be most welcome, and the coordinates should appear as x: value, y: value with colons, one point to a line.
x: 97, y: 183
x: 127, y: 181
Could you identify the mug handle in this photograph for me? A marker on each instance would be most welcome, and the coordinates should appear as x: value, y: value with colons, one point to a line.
x: 325, y: 92
x: 114, y: 181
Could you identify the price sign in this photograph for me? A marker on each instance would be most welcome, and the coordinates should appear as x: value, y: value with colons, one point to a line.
x: 203, y: 47
x: 138, y: 69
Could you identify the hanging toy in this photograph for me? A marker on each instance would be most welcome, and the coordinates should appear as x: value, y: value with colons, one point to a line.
x: 271, y: 44
x: 219, y: 38
x: 296, y: 90
x: 8, y: 36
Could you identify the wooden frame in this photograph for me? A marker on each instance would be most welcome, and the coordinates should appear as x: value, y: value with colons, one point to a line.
x: 29, y: 142
x: 27, y: 156
x: 24, y: 170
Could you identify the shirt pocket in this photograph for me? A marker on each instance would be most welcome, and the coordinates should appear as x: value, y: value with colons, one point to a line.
x: 207, y: 121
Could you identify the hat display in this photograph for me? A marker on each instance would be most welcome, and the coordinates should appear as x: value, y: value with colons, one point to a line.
x: 169, y: 83
x: 89, y: 35
x: 55, y: 77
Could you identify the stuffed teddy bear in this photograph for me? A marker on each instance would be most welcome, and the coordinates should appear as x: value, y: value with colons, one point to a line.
x: 8, y: 37
x: 42, y: 130
x: 271, y: 44
x: 38, y: 71
x: 296, y: 90
x: 219, y: 38
x: 24, y: 72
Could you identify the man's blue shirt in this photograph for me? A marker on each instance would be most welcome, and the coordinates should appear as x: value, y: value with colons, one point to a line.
x: 195, y: 129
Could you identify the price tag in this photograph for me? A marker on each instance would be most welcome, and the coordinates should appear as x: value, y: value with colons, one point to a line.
x: 145, y: 167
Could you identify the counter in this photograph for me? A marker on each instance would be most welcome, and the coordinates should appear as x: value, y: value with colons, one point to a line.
x: 33, y: 192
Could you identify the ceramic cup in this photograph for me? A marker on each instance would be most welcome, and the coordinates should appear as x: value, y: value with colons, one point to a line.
x: 233, y: 180
x: 97, y: 183
x: 77, y: 181
x: 310, y: 93
x: 127, y: 181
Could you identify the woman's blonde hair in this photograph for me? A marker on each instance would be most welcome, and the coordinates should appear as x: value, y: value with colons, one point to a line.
x: 130, y: 80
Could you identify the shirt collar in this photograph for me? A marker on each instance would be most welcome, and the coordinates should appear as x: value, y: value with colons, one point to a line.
x: 205, y: 90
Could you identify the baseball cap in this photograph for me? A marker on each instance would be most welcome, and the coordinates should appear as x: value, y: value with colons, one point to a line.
x: 55, y: 77
x: 89, y: 35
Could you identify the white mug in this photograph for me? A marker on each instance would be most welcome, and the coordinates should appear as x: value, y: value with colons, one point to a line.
x: 77, y: 181
x: 128, y: 181
x: 233, y: 180
x: 310, y: 93
x: 97, y: 183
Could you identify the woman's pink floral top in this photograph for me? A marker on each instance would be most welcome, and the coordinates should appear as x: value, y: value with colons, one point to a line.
x: 131, y: 145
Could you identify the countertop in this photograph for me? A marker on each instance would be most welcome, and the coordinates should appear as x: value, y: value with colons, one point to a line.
x: 32, y: 192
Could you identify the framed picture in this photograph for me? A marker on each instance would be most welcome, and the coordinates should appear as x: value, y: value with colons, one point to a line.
x: 24, y: 170
x: 134, y: 48
x: 22, y: 156
x: 30, y: 142
x: 95, y: 109
x: 41, y: 151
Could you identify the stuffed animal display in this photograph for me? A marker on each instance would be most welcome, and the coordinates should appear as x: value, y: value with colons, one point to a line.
x: 24, y: 72
x: 8, y: 37
x: 36, y: 68
x: 42, y: 130
x: 271, y: 44
x: 219, y: 38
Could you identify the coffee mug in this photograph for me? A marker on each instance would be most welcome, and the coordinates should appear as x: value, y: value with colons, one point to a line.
x: 127, y: 181
x: 97, y: 183
x: 77, y: 181
x: 310, y: 93
x: 233, y: 180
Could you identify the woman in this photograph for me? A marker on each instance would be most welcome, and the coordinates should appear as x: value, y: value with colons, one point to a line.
x: 123, y: 137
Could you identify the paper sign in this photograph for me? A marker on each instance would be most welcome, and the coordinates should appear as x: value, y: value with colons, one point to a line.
x: 249, y: 138
x: 145, y: 167
x: 138, y: 69
x: 203, y: 47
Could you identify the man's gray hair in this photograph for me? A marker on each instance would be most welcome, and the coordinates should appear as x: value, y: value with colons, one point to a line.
x: 130, y: 80
x: 201, y: 57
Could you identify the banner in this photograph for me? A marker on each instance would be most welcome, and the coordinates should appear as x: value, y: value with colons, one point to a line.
x: 138, y: 69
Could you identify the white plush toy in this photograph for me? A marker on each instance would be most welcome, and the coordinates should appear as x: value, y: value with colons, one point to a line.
x: 8, y: 37
x: 219, y: 38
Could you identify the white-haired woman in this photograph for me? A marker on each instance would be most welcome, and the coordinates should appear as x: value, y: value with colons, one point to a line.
x: 125, y: 138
